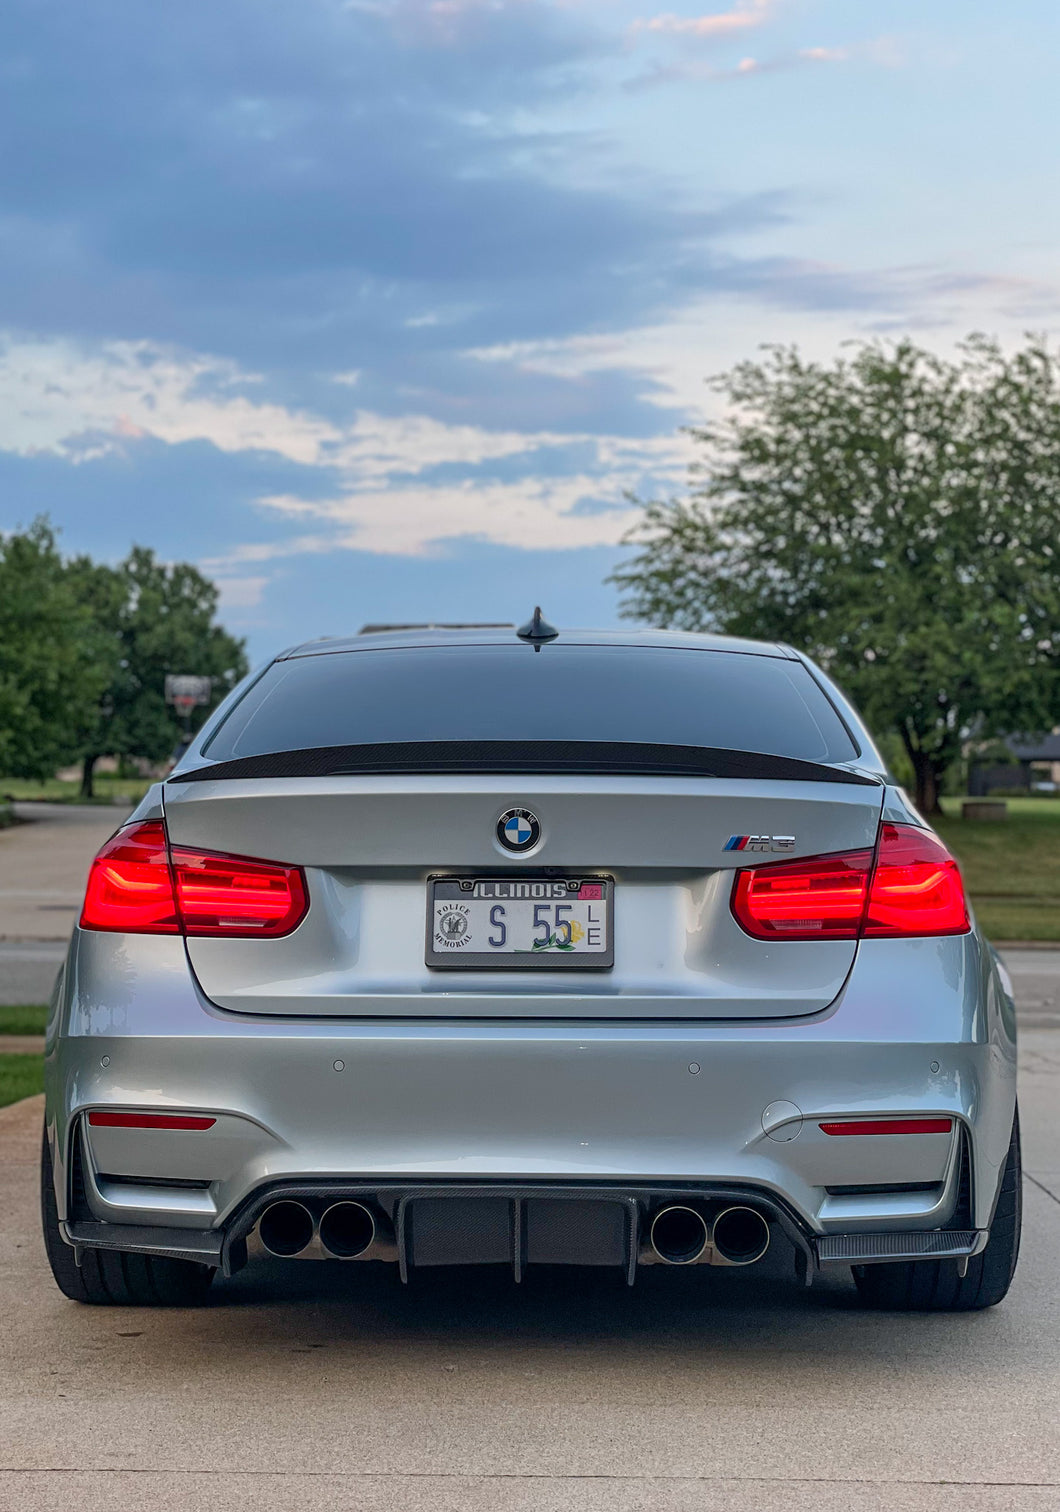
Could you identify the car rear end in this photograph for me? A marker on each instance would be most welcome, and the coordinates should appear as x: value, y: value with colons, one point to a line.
x: 615, y: 951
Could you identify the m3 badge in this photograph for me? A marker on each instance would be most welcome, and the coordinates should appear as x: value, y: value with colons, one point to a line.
x: 760, y: 843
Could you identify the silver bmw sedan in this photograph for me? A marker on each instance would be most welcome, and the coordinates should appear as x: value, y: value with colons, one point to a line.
x: 524, y: 948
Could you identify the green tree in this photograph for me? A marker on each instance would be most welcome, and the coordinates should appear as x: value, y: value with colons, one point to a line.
x: 895, y: 515
x: 156, y: 619
x: 54, y: 658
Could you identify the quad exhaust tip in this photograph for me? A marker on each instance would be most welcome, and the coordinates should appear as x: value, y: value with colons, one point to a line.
x: 680, y: 1235
x: 740, y: 1235
x: 347, y: 1229
x: 286, y: 1228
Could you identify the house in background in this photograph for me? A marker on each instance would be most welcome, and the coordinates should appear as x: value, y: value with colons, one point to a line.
x: 1035, y: 767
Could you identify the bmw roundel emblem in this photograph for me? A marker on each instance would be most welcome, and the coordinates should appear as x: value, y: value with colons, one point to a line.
x: 518, y: 829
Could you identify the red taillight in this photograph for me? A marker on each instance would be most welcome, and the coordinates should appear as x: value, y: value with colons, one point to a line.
x: 100, y: 1120
x: 890, y: 1126
x: 136, y: 885
x: 916, y: 887
x: 225, y: 895
x: 912, y: 887
x: 130, y: 886
x: 818, y: 899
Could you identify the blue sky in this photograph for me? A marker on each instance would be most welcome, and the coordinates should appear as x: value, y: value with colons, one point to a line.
x: 380, y: 309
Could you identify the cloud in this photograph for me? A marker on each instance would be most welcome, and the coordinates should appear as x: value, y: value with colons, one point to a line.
x: 239, y: 593
x: 80, y: 402
x: 464, y: 24
x: 743, y: 17
x: 378, y: 446
x: 349, y: 285
x: 880, y: 52
x: 533, y: 513
x: 824, y: 54
x: 812, y: 303
x: 326, y: 187
x: 62, y: 396
x: 338, y: 198
x: 81, y: 405
x: 698, y: 69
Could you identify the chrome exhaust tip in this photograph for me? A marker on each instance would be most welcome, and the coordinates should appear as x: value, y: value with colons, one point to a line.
x: 347, y: 1229
x: 740, y: 1235
x: 679, y: 1235
x: 286, y: 1228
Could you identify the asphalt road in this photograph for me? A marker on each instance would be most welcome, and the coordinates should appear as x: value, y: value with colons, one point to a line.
x: 312, y: 1386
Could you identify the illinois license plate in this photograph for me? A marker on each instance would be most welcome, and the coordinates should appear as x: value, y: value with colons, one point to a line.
x: 520, y: 923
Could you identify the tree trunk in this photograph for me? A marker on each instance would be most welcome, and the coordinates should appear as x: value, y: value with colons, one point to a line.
x: 928, y: 774
x: 88, y: 769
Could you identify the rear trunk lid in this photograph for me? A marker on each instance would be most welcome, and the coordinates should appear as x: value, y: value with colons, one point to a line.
x: 370, y: 843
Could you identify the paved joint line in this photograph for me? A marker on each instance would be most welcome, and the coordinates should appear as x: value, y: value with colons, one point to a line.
x: 536, y: 1475
x: 1042, y: 1187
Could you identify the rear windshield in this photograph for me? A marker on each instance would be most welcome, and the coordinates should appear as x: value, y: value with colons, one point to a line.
x: 664, y: 696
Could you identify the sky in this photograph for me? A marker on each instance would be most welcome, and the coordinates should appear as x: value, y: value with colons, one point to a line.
x: 388, y: 310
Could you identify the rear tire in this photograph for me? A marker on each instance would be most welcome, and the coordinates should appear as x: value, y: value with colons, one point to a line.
x: 935, y: 1285
x: 112, y: 1278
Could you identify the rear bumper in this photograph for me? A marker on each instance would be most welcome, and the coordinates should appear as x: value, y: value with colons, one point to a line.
x: 922, y: 1029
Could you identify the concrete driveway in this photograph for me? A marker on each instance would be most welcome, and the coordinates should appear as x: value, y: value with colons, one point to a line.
x: 318, y: 1386
x: 323, y: 1386
x: 43, y: 865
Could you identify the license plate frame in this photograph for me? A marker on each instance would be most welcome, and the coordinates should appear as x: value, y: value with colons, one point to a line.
x: 463, y: 887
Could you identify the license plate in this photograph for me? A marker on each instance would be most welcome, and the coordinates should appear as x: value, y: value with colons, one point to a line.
x: 520, y: 923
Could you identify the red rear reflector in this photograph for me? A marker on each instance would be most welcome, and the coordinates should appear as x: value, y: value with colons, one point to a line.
x: 136, y: 887
x: 891, y: 1126
x: 818, y: 899
x: 916, y: 887
x: 150, y: 1121
x: 129, y: 886
x: 225, y: 895
x: 912, y: 887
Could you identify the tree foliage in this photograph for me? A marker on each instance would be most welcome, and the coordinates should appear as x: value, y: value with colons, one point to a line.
x: 54, y: 657
x: 158, y: 619
x: 895, y: 515
x: 85, y: 649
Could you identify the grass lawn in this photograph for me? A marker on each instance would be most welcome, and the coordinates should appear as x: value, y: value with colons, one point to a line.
x: 109, y: 789
x: 20, y: 1076
x: 1011, y: 866
x: 28, y: 1018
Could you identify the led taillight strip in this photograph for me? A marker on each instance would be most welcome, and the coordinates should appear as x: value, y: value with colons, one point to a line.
x: 100, y: 1120
x: 139, y: 885
x: 890, y: 1126
x: 909, y: 886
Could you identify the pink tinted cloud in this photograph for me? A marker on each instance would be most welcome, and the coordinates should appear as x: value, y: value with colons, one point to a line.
x: 744, y: 16
x: 699, y: 69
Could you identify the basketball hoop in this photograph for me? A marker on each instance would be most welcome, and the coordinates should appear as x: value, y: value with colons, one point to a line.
x: 185, y: 693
